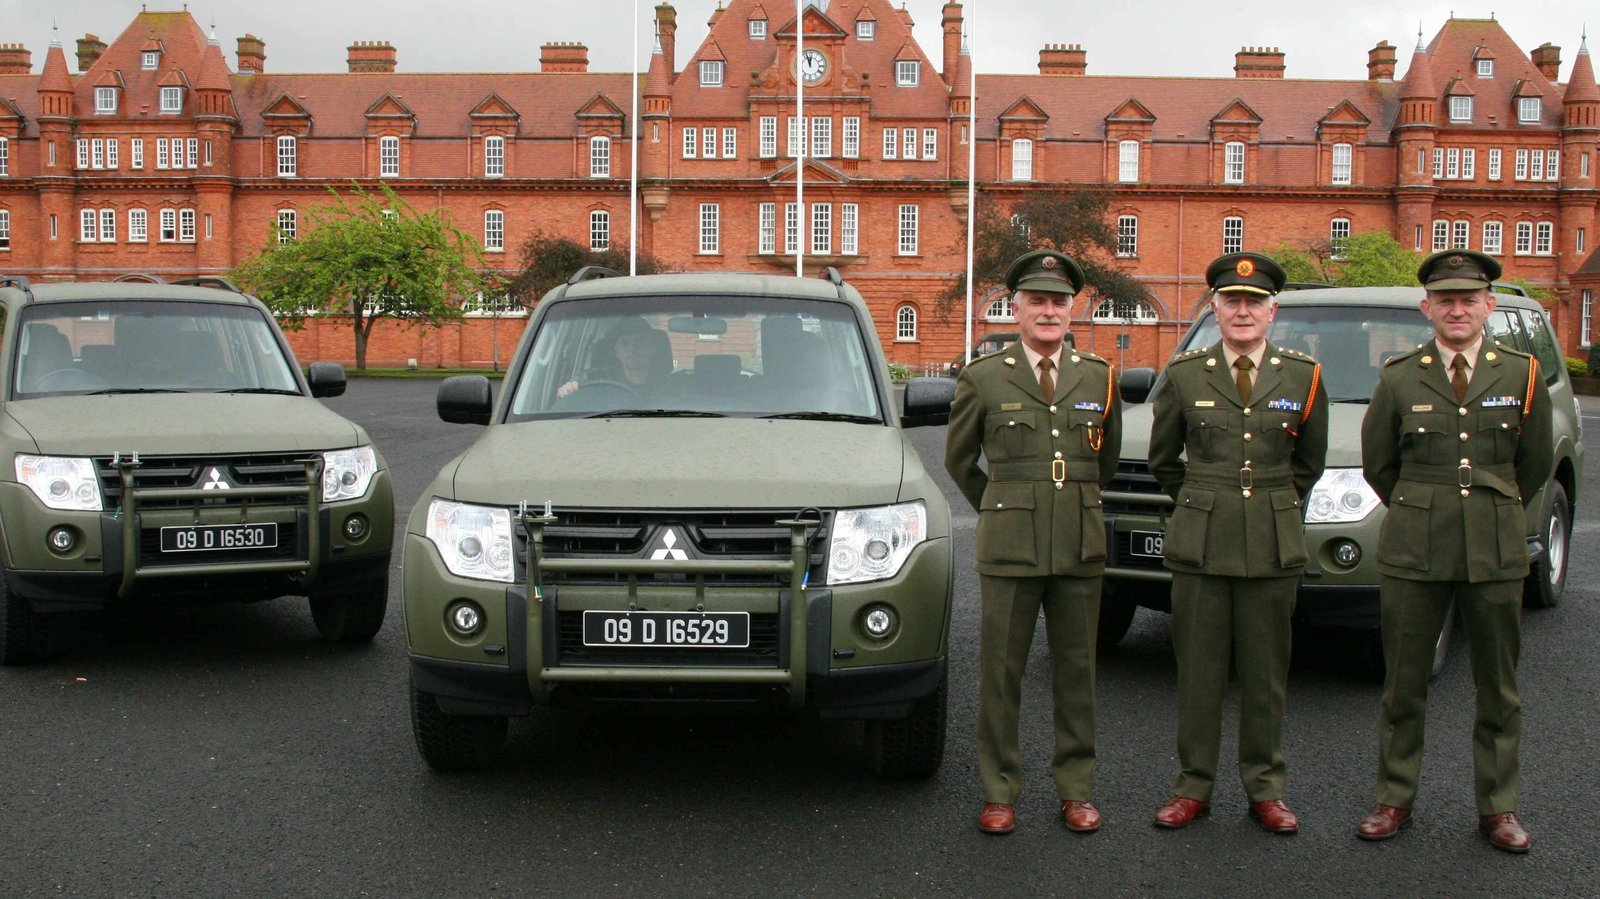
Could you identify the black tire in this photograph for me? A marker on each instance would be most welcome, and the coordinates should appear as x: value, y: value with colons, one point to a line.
x: 454, y: 742
x: 1548, y: 578
x: 1116, y: 617
x: 26, y: 636
x: 910, y: 748
x: 351, y: 614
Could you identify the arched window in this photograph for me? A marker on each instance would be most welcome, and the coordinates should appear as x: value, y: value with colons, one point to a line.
x: 1001, y: 310
x: 1132, y: 312
x: 905, y: 323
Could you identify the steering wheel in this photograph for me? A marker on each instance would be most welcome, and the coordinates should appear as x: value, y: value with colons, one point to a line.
x: 70, y: 379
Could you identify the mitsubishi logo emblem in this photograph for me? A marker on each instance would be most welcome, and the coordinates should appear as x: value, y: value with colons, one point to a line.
x: 215, y: 480
x: 668, y: 548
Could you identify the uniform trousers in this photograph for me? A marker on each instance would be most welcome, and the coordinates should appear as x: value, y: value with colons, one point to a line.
x: 1071, y: 616
x: 1248, y: 619
x: 1413, y: 615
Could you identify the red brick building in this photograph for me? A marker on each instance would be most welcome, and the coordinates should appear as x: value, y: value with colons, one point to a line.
x: 158, y: 158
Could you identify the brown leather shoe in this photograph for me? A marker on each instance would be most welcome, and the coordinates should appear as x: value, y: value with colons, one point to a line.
x: 997, y: 817
x: 1081, y: 817
x: 1383, y: 822
x: 1274, y: 816
x: 1505, y: 832
x: 1181, y: 811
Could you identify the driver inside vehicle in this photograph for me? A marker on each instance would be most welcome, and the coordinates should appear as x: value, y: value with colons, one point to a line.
x: 639, y: 358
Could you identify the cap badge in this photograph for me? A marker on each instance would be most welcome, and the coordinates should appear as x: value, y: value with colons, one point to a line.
x: 1245, y: 268
x: 1456, y: 261
x: 1048, y: 262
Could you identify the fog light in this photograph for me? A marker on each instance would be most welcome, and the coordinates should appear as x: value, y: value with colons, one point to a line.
x: 355, y: 527
x: 465, y: 618
x: 61, y: 540
x: 1346, y: 553
x: 878, y: 622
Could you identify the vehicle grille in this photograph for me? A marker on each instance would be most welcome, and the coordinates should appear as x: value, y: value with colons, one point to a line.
x: 635, y: 534
x: 182, y: 472
x: 761, y: 653
x: 1133, y: 476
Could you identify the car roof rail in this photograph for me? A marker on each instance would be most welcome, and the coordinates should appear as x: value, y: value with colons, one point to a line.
x: 20, y: 282
x: 139, y: 278
x: 592, y: 271
x: 216, y: 281
x: 1305, y: 285
x: 832, y: 276
x: 1516, y: 290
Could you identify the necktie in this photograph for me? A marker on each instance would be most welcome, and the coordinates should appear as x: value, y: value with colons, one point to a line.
x: 1458, y: 376
x: 1047, y: 384
x: 1241, y: 377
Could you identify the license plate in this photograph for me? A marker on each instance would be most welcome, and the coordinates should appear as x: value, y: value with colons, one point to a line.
x: 219, y: 537
x: 1145, y: 543
x: 690, y: 630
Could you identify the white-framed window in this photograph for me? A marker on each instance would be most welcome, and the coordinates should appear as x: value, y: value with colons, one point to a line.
x: 797, y: 130
x: 494, y: 230
x: 55, y: 224
x: 730, y: 143
x: 1521, y: 171
x: 1001, y: 310
x: 1552, y: 165
x: 891, y: 143
x: 193, y: 144
x: 1493, y: 235
x: 111, y: 152
x: 1441, y: 235
x: 1342, y: 156
x: 108, y: 225
x: 908, y: 229
x: 691, y: 142
x: 1460, y: 109
x: 905, y: 323
x: 82, y: 145
x: 930, y: 143
x: 1536, y: 166
x: 1588, y: 318
x: 1580, y: 240
x: 149, y: 59
x: 97, y: 153
x: 1233, y: 162
x: 208, y: 226
x: 1452, y: 162
x: 710, y: 73
x: 791, y: 228
x: 821, y: 137
x: 105, y: 101
x: 288, y: 157
x: 1127, y: 161
x: 1022, y: 159
x: 1494, y: 163
x: 852, y: 137
x: 599, y: 230
x: 207, y: 153
x: 758, y: 29
x: 767, y: 228
x: 907, y: 72
x: 138, y: 226
x: 1469, y: 163
x: 5, y: 157
x: 708, y: 143
x: 171, y: 100
x: 849, y: 216
x: 710, y: 228
x: 1338, y: 236
x: 1544, y: 239
x: 88, y: 226
x: 821, y: 227
x: 1438, y: 162
x: 186, y: 225
x: 866, y: 30
x: 1524, y: 244
x: 494, y: 156
x: 5, y: 229
x: 1529, y: 110
x: 1459, y: 231
x: 769, y: 136
x: 1233, y: 234
x: 169, y: 225
x: 288, y: 225
x: 1133, y: 312
x: 162, y: 159
x: 1485, y: 68
x: 388, y: 156
x: 1127, y: 235
x: 1583, y: 161
x: 599, y: 157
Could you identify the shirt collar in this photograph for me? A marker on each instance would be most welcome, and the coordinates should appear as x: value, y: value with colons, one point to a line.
x: 1033, y: 358
x: 1448, y: 356
x: 1256, y: 356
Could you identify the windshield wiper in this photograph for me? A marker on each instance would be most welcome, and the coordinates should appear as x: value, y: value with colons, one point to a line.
x: 109, y: 390
x: 276, y: 390
x: 829, y: 416
x: 656, y: 413
x: 1363, y: 400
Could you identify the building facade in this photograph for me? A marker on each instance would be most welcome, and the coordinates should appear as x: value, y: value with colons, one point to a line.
x: 158, y: 158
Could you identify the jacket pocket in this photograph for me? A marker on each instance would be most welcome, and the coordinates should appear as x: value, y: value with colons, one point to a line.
x: 1500, y: 428
x: 1511, y: 531
x: 1005, y: 525
x: 1092, y: 525
x: 1289, y: 519
x: 1403, y: 539
x: 1207, y: 433
x: 1185, y: 540
x: 1429, y: 437
x: 1010, y: 435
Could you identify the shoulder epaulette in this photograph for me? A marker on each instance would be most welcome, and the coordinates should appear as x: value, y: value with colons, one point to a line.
x: 1084, y: 354
x: 987, y: 356
x: 1406, y: 355
x: 1192, y: 354
x: 1296, y: 354
x: 1510, y: 351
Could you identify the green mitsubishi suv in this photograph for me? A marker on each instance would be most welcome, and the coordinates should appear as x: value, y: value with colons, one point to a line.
x: 163, y: 446
x: 692, y: 493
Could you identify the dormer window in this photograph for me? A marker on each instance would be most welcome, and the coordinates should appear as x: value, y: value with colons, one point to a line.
x: 1485, y: 68
x: 149, y: 59
x: 171, y: 100
x: 866, y: 29
x: 105, y: 100
x: 1460, y: 109
x: 907, y: 72
x: 758, y: 29
x: 1529, y: 110
x: 710, y: 72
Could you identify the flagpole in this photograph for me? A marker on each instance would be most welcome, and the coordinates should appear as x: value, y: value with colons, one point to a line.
x: 633, y: 156
x: 972, y: 155
x: 804, y: 136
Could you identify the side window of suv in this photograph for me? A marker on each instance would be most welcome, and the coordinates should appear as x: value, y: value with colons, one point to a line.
x: 1506, y: 327
x: 1544, y: 346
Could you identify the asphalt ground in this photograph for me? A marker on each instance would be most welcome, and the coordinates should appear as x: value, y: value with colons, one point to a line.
x: 224, y: 750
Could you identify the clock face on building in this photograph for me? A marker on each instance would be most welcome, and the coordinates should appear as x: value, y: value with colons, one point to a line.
x: 813, y: 66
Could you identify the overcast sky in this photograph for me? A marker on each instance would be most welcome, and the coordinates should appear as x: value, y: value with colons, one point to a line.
x: 1122, y: 37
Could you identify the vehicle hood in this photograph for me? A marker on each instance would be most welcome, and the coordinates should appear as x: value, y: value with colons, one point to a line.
x: 684, y: 463
x: 1344, y: 433
x: 168, y: 423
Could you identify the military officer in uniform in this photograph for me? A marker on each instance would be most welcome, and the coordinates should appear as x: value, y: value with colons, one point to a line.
x: 1238, y: 441
x: 1456, y: 442
x: 1045, y: 417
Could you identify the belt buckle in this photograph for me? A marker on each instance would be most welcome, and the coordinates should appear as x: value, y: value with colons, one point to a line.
x: 1464, y: 474
x: 1058, y: 470
x: 1247, y: 480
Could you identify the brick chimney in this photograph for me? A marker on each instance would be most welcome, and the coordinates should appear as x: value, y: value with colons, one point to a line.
x: 15, y: 60
x: 564, y: 56
x: 667, y: 35
x: 1546, y: 56
x: 89, y: 50
x: 252, y: 55
x: 371, y: 56
x: 1258, y: 62
x: 951, y: 25
x: 1380, y: 62
x: 1063, y: 59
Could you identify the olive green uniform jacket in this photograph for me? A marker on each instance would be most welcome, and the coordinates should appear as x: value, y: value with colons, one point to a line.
x: 1253, y: 464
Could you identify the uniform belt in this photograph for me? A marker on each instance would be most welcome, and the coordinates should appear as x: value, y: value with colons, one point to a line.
x: 1214, y: 475
x: 1054, y: 470
x: 1499, y: 477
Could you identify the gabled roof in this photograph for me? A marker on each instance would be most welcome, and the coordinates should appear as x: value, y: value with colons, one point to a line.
x: 285, y: 107
x: 182, y: 45
x: 1346, y: 113
x: 9, y: 110
x: 1131, y: 111
x: 1460, y: 42
x: 1459, y: 87
x: 817, y: 172
x: 493, y: 107
x: 389, y: 106
x: 1236, y: 112
x: 1024, y: 110
x: 817, y: 24
x: 600, y: 106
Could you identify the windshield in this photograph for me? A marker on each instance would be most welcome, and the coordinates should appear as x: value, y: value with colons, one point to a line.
x: 1351, y: 342
x: 697, y: 356
x: 147, y: 345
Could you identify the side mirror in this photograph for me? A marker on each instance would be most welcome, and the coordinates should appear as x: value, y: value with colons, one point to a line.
x: 1136, y: 384
x: 466, y: 400
x: 326, y: 379
x: 927, y: 402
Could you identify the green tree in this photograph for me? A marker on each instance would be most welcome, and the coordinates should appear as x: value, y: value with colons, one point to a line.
x: 1076, y: 222
x: 548, y: 261
x: 1365, y: 259
x: 371, y: 256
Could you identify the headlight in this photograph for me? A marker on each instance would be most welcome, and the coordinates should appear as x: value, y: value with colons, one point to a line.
x: 346, y: 474
x: 872, y: 544
x: 1340, y: 497
x: 475, y: 541
x: 60, y: 482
